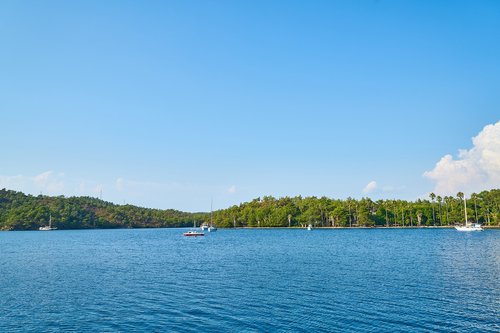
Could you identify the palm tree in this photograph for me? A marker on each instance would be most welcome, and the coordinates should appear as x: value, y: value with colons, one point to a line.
x: 386, y: 218
x: 440, y: 200
x: 433, y: 196
x: 474, y: 196
x: 394, y: 202
x: 349, y: 207
x: 460, y: 195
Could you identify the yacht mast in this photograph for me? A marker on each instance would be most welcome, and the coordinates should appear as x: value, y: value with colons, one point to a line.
x: 465, y: 209
x: 211, y: 206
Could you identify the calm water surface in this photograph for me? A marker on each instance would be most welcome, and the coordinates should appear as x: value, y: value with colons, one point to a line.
x: 250, y: 280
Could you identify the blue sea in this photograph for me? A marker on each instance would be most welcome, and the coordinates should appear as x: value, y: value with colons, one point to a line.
x: 250, y: 280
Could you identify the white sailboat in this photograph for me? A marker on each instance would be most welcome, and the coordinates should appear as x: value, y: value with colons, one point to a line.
x: 211, y: 227
x: 48, y: 227
x: 468, y: 226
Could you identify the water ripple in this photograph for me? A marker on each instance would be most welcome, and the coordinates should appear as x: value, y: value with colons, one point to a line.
x: 250, y: 281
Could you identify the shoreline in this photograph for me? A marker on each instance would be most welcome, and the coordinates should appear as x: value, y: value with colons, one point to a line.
x: 267, y: 228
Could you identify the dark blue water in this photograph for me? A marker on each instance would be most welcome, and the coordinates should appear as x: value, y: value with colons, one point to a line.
x: 250, y: 280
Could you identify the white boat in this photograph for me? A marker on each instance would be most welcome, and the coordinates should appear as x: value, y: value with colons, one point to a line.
x: 204, y: 227
x: 211, y: 227
x: 468, y: 226
x: 193, y: 233
x: 48, y: 227
x: 309, y: 227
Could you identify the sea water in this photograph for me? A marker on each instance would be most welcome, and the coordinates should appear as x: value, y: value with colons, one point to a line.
x: 252, y: 280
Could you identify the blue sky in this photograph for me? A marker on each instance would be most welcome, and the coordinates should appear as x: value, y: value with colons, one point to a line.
x: 168, y: 104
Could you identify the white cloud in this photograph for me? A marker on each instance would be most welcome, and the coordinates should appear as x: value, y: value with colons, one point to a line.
x: 47, y: 182
x: 43, y: 178
x: 474, y: 170
x: 370, y: 187
x: 13, y: 182
x: 120, y: 184
x: 173, y: 194
x: 82, y: 186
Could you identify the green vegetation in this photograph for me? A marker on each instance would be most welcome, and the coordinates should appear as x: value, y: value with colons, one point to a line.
x: 324, y: 212
x: 26, y: 212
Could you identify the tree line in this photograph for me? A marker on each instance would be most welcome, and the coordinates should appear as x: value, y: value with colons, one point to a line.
x: 19, y: 211
x: 268, y: 211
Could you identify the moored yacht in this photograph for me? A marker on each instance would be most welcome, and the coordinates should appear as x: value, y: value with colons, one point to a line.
x: 48, y: 227
x: 468, y: 226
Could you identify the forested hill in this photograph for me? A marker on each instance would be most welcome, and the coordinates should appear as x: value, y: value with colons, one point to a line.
x: 19, y: 211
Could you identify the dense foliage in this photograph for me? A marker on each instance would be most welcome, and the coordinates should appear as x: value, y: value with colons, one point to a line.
x: 324, y: 212
x: 26, y: 212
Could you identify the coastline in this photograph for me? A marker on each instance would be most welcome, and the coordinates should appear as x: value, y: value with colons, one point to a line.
x: 268, y: 228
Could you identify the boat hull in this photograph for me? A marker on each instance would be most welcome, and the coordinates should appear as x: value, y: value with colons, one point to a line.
x: 46, y: 228
x: 466, y: 229
x: 192, y: 234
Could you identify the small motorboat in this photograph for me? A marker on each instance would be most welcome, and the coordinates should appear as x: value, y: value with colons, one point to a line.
x: 192, y: 233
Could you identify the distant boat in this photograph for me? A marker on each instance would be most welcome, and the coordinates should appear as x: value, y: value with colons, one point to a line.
x: 211, y: 227
x: 204, y: 227
x: 48, y: 227
x: 468, y: 226
x: 309, y: 227
x: 193, y: 233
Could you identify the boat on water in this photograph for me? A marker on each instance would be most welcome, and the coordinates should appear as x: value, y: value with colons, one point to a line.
x: 468, y: 226
x: 204, y: 227
x: 193, y: 233
x: 309, y: 227
x: 48, y: 227
x: 211, y: 227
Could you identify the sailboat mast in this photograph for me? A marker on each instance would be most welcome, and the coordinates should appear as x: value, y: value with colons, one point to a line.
x: 465, y: 209
x: 211, y: 207
x: 50, y: 220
